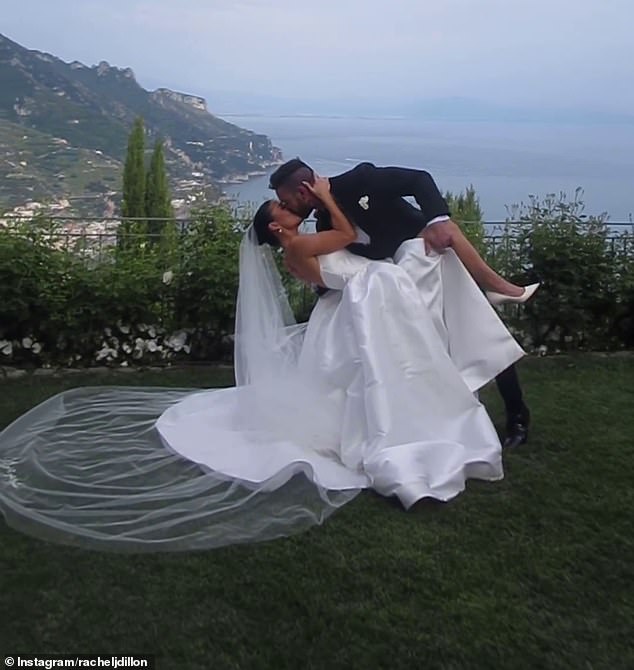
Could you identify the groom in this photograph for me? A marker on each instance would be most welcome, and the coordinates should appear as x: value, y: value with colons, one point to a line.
x: 373, y: 199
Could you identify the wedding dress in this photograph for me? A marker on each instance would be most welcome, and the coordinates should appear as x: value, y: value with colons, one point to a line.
x: 379, y: 391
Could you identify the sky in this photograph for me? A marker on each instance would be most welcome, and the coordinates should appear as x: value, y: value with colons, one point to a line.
x: 237, y: 53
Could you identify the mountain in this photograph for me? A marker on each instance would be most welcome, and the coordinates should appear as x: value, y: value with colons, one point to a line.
x: 64, y: 130
x: 36, y: 166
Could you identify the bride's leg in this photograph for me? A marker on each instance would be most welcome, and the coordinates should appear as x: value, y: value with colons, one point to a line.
x: 485, y: 276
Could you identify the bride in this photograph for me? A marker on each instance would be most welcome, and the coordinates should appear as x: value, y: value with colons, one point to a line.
x: 377, y: 390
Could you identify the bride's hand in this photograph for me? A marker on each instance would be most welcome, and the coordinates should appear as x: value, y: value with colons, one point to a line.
x: 321, y: 187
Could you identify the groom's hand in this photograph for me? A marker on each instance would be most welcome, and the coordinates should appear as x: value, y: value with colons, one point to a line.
x: 438, y: 236
x: 321, y: 187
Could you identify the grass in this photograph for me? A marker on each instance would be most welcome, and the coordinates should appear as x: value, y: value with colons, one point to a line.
x: 535, y: 571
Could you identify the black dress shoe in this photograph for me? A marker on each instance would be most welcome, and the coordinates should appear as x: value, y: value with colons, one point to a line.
x: 517, y: 430
x: 516, y: 435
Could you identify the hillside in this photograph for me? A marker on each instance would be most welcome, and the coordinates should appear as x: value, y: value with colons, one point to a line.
x: 69, y: 123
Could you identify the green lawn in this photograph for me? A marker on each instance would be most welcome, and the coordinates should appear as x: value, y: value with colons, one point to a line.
x: 536, y: 571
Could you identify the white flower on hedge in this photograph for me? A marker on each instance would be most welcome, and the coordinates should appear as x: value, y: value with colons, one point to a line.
x: 36, y: 348
x: 27, y: 342
x: 151, y: 331
x: 543, y: 350
x: 151, y: 346
x: 6, y: 347
x: 139, y: 343
x: 123, y: 364
x: 142, y: 327
x: 167, y: 277
x: 107, y: 331
x: 106, y: 352
x: 177, y: 340
x: 127, y: 348
x: 124, y: 329
x: 186, y: 348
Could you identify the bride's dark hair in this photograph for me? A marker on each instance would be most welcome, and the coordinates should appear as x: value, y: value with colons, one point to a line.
x: 261, y: 222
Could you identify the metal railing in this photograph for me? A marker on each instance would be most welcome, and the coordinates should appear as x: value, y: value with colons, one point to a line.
x: 93, y: 237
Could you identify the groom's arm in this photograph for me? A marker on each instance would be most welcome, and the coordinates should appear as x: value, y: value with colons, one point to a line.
x: 398, y: 182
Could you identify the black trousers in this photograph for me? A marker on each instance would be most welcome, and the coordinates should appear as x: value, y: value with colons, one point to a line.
x: 508, y: 384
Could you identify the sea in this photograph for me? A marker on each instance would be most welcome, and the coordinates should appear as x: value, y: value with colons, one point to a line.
x: 506, y: 163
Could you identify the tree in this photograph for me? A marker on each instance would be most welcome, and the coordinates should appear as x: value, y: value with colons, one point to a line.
x: 465, y: 210
x: 133, y: 205
x: 157, y: 197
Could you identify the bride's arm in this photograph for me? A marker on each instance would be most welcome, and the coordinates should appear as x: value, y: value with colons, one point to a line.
x: 301, y: 251
x: 327, y: 241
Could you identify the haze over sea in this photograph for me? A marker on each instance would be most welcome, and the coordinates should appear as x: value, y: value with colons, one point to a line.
x: 505, y: 162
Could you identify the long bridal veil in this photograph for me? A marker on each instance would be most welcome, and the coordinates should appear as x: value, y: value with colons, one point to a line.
x: 88, y: 467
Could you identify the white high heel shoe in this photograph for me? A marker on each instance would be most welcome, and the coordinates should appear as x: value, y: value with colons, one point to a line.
x: 500, y: 298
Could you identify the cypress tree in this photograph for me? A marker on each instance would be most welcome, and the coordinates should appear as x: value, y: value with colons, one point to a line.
x: 157, y: 195
x: 133, y: 202
x: 133, y: 205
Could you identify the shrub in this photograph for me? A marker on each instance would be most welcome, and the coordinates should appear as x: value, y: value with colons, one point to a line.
x: 145, y: 303
x: 80, y: 305
x: 568, y: 252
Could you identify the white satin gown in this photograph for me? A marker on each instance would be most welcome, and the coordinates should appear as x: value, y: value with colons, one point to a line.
x: 384, y: 393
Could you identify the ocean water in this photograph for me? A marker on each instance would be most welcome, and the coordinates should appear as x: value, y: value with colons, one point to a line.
x: 506, y: 163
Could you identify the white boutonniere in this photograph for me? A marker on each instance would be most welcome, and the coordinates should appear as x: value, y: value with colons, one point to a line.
x: 363, y: 202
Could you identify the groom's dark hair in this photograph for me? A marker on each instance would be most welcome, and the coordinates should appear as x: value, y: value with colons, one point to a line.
x: 291, y: 174
x: 261, y: 222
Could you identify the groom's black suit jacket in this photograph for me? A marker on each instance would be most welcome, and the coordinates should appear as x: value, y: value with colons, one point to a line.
x: 373, y: 199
